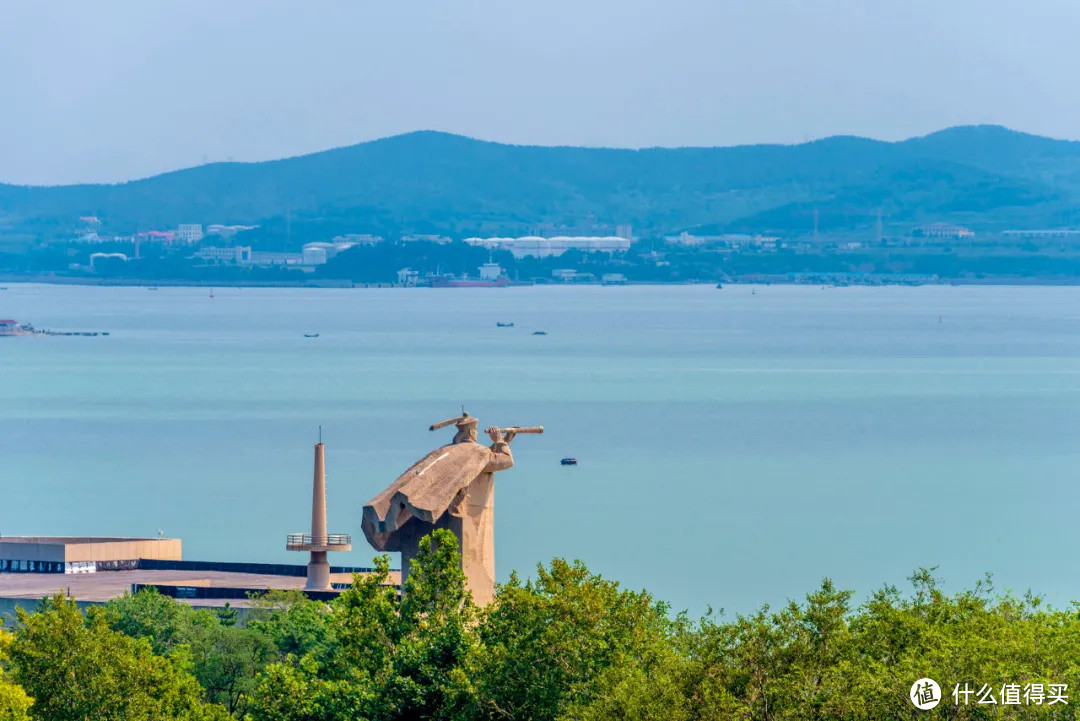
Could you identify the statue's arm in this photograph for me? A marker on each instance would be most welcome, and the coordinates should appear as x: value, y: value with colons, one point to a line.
x: 501, y: 457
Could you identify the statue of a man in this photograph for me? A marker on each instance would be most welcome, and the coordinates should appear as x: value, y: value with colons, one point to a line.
x: 466, y: 428
x: 452, y: 487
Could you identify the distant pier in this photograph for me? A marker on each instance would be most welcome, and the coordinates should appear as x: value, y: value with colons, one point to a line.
x: 12, y: 328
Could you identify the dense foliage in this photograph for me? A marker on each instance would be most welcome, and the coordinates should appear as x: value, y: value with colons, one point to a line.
x: 567, y: 644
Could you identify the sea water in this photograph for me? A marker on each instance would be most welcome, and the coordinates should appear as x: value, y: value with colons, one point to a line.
x: 735, y: 445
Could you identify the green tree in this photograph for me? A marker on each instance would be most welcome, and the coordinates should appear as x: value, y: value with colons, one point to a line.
x: 292, y: 623
x: 546, y: 644
x: 227, y: 615
x: 80, y: 669
x: 390, y: 658
x: 14, y: 703
x: 224, y: 658
x: 147, y: 614
x: 428, y: 677
x: 366, y: 623
x: 226, y: 661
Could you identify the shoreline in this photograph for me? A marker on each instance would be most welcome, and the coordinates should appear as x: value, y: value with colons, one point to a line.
x: 349, y: 285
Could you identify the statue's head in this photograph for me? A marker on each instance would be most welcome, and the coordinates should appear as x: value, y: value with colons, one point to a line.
x: 466, y: 429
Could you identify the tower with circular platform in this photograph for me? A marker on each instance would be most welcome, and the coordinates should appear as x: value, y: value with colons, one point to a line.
x: 318, y: 543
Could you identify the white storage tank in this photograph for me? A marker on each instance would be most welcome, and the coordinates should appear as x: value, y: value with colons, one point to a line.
x: 313, y: 255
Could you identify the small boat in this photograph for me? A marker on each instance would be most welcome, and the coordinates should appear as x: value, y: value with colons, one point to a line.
x: 211, y: 294
x: 311, y: 335
x: 500, y: 324
x: 151, y: 287
x: 539, y: 332
x: 719, y: 286
x: 568, y: 462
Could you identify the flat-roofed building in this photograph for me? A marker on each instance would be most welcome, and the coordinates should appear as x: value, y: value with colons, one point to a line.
x: 359, y: 239
x: 189, y: 233
x: 76, y: 554
x: 238, y: 254
x: 536, y: 247
x: 943, y: 230
x: 269, y: 257
x: 439, y: 239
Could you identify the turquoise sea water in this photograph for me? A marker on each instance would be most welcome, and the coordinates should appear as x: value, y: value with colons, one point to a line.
x: 734, y: 447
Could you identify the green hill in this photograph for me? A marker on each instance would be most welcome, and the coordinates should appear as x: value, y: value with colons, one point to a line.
x: 429, y: 181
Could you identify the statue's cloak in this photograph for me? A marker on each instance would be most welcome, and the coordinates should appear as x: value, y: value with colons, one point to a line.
x: 426, y: 491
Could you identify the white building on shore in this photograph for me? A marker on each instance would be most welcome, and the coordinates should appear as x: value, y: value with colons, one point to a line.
x: 320, y: 252
x: 190, y: 233
x: 238, y: 254
x: 536, y: 247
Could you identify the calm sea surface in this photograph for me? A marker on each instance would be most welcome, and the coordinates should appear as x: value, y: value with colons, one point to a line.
x: 734, y: 447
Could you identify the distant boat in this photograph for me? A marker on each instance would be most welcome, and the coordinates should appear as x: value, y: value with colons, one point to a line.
x: 719, y: 285
x: 211, y: 294
x: 505, y: 325
x: 569, y: 461
x: 539, y: 332
x: 311, y: 335
x: 151, y: 287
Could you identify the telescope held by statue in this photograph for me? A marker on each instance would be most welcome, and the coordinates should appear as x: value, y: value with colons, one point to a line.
x: 460, y: 419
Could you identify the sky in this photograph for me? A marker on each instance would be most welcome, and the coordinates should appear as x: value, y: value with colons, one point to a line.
x: 114, y: 90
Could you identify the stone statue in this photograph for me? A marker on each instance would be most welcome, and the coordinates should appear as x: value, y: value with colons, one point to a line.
x: 466, y: 427
x: 452, y: 487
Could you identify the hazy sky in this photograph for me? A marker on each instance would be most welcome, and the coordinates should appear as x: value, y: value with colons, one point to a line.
x: 110, y: 91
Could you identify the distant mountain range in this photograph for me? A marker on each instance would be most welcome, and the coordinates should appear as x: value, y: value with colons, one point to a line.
x: 984, y: 176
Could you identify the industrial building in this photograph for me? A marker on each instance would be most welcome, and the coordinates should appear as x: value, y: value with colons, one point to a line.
x: 320, y: 252
x: 533, y: 246
x: 944, y: 230
x: 239, y: 254
x: 190, y: 233
x: 75, y: 554
x: 726, y: 240
x: 438, y: 239
x: 359, y: 239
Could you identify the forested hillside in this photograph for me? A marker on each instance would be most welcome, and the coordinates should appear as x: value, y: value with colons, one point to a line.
x: 429, y: 181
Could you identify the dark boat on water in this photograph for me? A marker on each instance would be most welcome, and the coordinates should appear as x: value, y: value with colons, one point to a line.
x: 539, y: 332
x: 568, y: 462
x: 311, y: 335
x: 505, y: 325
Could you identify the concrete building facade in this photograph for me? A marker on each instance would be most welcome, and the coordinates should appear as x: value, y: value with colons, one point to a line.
x: 189, y: 233
x: 72, y: 554
x: 537, y: 247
